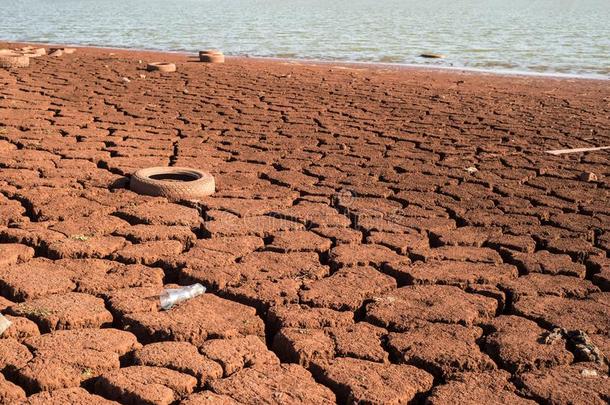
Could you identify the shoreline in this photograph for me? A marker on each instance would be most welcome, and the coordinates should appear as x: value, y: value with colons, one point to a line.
x: 351, y: 204
x: 347, y: 63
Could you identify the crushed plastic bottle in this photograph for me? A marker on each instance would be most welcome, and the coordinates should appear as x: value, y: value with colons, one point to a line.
x: 173, y: 296
x: 4, y: 324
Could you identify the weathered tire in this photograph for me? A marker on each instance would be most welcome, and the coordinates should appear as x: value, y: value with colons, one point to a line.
x: 14, y: 61
x: 61, y: 51
x: 432, y: 55
x: 30, y: 50
x: 161, y: 67
x: 29, y: 54
x: 211, y: 56
x: 173, y: 183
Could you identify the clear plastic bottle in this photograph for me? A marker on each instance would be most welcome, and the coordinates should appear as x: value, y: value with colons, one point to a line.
x: 173, y: 296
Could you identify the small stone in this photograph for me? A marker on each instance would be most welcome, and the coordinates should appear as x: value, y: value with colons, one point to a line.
x: 471, y: 170
x: 142, y: 76
x: 126, y: 80
x: 588, y: 176
x: 589, y: 373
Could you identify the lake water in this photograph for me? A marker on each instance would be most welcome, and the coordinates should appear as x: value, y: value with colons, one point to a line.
x: 542, y: 36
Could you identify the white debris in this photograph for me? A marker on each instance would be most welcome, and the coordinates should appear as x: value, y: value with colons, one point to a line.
x: 4, y: 324
x: 173, y: 296
x: 588, y: 373
x: 576, y: 150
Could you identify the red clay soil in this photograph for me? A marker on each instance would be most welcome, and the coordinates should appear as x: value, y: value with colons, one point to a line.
x: 380, y: 236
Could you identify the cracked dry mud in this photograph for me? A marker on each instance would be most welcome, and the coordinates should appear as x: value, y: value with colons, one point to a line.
x: 351, y: 252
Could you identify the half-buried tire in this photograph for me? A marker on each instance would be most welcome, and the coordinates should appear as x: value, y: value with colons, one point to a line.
x: 211, y: 56
x: 173, y: 183
x: 432, y: 55
x: 31, y: 52
x: 9, y: 61
x: 161, y: 67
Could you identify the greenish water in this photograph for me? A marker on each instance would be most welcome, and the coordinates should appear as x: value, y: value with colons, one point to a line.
x: 542, y: 36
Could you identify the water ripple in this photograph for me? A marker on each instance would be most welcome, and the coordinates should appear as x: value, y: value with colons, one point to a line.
x: 545, y: 36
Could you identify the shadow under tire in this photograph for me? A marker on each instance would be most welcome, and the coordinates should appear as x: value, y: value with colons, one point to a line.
x: 173, y: 183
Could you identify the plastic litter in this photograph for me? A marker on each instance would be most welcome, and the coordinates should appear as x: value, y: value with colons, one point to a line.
x: 173, y: 296
x: 4, y: 324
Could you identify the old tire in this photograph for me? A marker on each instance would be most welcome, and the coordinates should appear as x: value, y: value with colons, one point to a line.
x: 161, y: 67
x: 432, y: 55
x: 32, y: 52
x: 14, y: 61
x: 211, y: 56
x: 29, y: 54
x: 173, y: 183
x: 61, y: 51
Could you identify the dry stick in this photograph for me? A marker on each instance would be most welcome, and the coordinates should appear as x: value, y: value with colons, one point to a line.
x: 577, y: 150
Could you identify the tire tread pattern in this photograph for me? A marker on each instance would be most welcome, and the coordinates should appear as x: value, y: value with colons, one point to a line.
x: 141, y: 183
